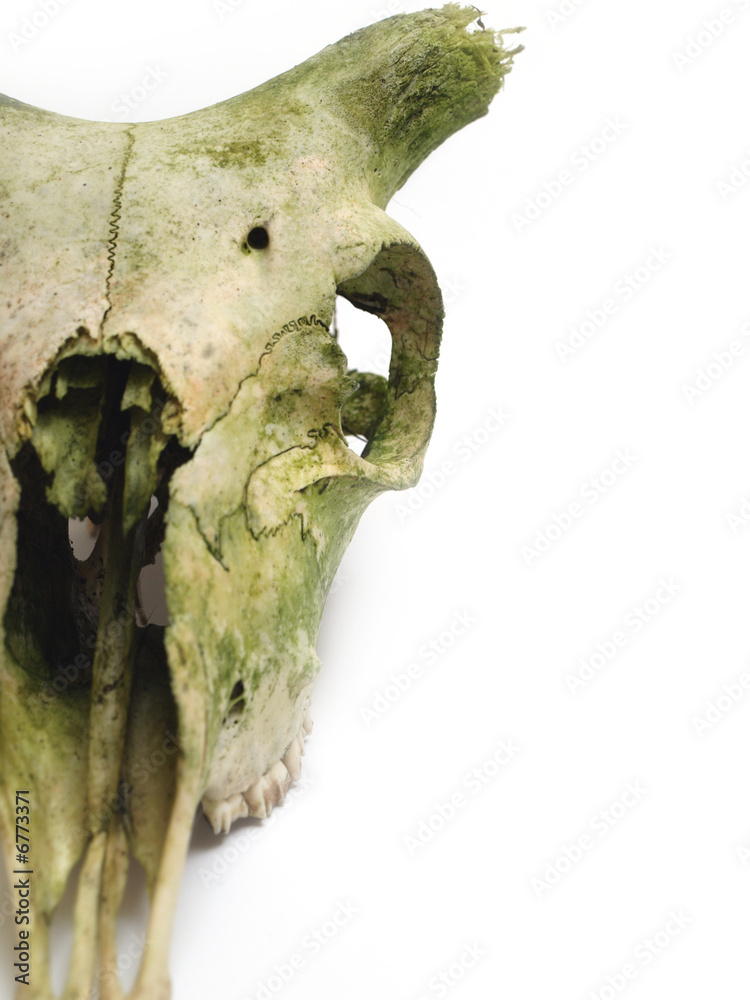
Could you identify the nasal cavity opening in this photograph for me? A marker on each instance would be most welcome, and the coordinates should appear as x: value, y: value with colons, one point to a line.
x: 151, y: 605
x: 83, y: 533
x: 152, y: 587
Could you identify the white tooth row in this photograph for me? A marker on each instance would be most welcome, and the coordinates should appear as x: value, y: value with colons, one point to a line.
x: 260, y: 798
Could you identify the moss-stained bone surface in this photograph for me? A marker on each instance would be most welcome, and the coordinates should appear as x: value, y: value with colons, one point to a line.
x: 168, y: 290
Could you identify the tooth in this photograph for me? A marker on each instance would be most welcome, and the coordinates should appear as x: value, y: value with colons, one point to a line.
x: 254, y: 797
x: 269, y: 791
x: 221, y: 814
x: 292, y: 760
x: 256, y: 805
x: 279, y: 781
x: 307, y: 723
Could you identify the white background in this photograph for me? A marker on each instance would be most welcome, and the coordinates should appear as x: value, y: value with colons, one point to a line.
x: 647, y: 204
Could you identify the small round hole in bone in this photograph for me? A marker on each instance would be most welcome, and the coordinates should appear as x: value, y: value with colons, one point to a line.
x: 257, y: 238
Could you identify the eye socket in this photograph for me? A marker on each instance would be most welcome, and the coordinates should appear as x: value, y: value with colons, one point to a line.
x: 257, y: 238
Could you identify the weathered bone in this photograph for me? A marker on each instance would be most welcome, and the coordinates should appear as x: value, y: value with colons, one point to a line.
x: 168, y: 291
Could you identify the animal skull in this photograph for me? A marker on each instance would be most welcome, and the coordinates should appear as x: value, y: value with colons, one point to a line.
x: 168, y: 291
